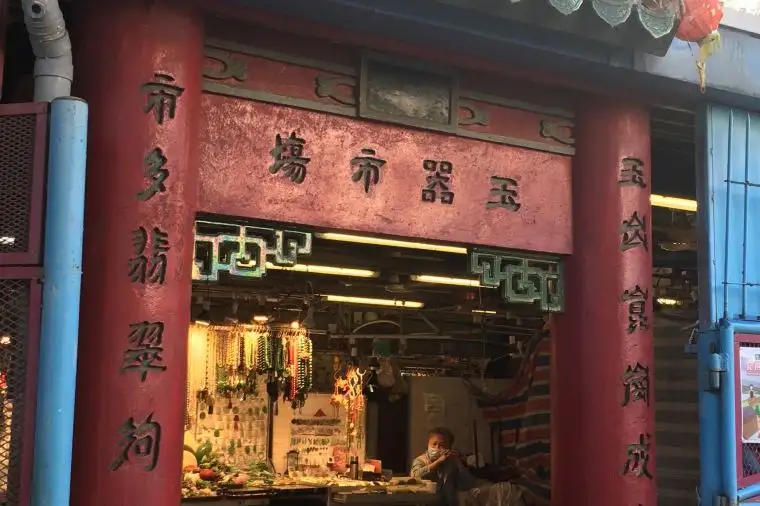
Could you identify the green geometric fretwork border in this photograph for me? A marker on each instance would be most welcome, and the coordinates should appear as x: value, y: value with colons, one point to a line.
x: 522, y: 278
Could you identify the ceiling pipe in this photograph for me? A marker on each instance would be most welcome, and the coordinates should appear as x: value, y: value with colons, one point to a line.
x: 53, y: 65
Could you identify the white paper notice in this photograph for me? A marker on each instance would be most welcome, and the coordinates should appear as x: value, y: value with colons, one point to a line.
x: 434, y: 405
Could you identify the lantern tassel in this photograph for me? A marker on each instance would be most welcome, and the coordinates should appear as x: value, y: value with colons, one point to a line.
x: 707, y: 47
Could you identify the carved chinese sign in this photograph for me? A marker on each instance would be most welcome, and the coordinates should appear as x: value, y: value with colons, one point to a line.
x: 636, y: 381
x: 146, y: 347
x: 149, y: 261
x: 333, y: 172
x: 632, y: 173
x: 287, y: 155
x: 636, y: 301
x: 366, y: 168
x: 140, y: 443
x: 636, y: 384
x: 637, y: 458
x: 504, y: 193
x: 162, y: 94
x: 138, y: 439
x: 438, y: 184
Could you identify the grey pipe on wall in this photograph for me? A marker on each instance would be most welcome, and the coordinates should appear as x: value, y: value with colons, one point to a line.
x: 53, y: 65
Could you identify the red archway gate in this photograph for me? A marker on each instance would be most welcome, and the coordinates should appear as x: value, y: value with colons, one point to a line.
x: 331, y: 136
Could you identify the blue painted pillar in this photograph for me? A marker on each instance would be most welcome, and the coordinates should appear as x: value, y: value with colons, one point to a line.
x: 728, y: 180
x: 64, y: 223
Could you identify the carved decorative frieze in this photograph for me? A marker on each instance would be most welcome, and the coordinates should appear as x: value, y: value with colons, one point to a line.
x: 244, y: 251
x: 522, y: 279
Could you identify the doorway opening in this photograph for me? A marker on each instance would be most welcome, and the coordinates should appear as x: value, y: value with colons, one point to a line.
x: 381, y: 339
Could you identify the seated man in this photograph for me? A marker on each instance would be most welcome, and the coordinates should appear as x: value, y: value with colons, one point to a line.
x: 442, y: 465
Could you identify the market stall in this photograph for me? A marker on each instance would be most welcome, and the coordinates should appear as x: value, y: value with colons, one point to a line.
x: 255, y: 435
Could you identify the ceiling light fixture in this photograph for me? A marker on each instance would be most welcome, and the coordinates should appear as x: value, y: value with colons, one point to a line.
x: 666, y: 301
x: 483, y: 311
x: 375, y: 302
x: 444, y: 280
x: 393, y: 243
x: 325, y: 269
x: 673, y: 203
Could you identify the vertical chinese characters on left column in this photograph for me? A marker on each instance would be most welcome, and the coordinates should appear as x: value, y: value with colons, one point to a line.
x: 139, y: 437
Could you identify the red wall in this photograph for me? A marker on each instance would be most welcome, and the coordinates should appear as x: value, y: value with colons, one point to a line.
x: 237, y: 137
x: 256, y: 91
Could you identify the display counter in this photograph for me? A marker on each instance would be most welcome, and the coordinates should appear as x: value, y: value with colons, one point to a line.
x: 360, y: 498
x: 260, y: 496
x: 322, y: 491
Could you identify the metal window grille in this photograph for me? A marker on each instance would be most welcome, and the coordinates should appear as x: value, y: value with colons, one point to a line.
x: 23, y: 130
x: 19, y: 338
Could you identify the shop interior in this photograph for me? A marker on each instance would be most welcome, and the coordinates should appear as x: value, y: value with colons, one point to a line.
x: 319, y: 380
x: 332, y: 370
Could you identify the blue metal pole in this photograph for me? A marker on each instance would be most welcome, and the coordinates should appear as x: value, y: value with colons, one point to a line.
x: 748, y: 327
x: 64, y: 226
x: 749, y: 492
x: 727, y: 436
x: 709, y: 421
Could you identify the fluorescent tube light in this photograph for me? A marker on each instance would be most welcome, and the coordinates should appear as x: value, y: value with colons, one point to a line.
x: 443, y: 280
x: 483, y: 311
x: 374, y: 302
x: 379, y: 241
x: 673, y: 203
x: 325, y: 269
x: 666, y: 301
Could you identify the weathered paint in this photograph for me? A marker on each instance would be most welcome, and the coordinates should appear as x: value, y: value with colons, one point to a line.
x: 592, y: 348
x: 303, y: 72
x: 238, y: 135
x: 130, y: 41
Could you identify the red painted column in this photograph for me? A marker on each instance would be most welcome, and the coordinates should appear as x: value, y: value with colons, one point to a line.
x: 602, y: 358
x: 138, y: 64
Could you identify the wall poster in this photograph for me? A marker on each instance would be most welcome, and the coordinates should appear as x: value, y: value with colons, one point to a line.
x: 749, y: 389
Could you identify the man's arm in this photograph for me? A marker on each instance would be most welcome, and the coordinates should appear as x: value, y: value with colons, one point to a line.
x: 420, y: 467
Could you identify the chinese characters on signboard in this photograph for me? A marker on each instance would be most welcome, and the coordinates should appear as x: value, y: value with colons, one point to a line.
x: 139, y: 437
x: 635, y: 380
x: 366, y: 168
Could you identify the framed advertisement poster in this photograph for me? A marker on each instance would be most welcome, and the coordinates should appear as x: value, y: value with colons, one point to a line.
x: 747, y: 402
x: 749, y: 391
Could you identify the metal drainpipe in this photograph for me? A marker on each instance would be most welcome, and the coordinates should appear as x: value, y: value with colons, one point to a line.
x: 62, y: 264
x: 53, y: 66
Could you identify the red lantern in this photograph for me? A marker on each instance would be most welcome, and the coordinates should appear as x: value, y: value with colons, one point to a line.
x: 699, y: 23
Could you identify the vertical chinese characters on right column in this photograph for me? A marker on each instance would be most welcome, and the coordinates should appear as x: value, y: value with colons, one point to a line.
x: 635, y: 379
